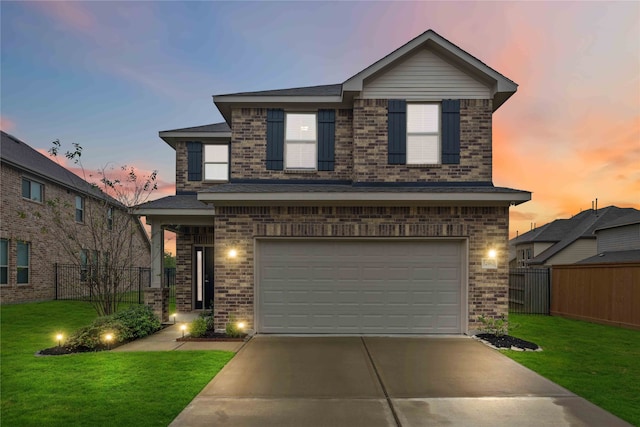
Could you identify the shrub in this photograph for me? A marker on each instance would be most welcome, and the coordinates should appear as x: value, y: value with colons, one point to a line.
x: 135, y: 322
x: 139, y: 321
x: 198, y: 327
x: 232, y: 329
x: 497, y: 327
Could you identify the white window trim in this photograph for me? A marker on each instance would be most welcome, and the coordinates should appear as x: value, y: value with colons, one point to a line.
x: 295, y: 141
x: 205, y: 163
x: 438, y: 134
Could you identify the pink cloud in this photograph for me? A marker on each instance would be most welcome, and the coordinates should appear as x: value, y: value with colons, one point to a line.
x: 6, y: 124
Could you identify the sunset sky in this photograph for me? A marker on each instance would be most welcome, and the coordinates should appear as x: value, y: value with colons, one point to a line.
x: 110, y: 75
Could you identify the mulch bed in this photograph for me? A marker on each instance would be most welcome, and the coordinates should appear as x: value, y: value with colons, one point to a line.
x: 213, y: 336
x: 62, y: 350
x: 507, y: 342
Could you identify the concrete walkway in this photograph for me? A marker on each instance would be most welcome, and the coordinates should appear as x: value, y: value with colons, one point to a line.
x: 381, y: 381
x: 165, y: 340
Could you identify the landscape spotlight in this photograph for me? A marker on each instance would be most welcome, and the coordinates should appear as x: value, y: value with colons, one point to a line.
x: 241, y: 325
x: 174, y: 317
x: 108, y: 338
x: 59, y: 338
x: 183, y: 328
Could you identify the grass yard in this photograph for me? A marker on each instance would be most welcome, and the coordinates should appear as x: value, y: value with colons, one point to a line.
x: 90, y: 389
x: 600, y: 363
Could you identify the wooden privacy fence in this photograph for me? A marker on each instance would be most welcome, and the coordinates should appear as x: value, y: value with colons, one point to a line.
x: 602, y: 293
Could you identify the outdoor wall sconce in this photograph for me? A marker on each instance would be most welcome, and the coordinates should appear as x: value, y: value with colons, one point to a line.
x: 232, y: 253
x: 59, y: 338
x: 493, y: 254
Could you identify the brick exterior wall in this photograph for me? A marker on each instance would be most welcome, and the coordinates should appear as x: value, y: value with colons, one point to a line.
x: 26, y: 220
x: 249, y: 148
x: 484, y: 227
x: 370, y: 146
x: 158, y: 300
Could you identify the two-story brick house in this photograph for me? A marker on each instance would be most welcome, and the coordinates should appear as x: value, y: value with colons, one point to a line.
x: 361, y: 207
x: 30, y: 243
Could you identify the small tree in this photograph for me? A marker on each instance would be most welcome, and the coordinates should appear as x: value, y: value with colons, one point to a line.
x: 100, y: 234
x: 169, y: 260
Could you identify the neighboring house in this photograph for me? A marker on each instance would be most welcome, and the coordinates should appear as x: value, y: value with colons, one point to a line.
x: 29, y: 244
x: 366, y: 206
x: 567, y: 241
x: 618, y: 241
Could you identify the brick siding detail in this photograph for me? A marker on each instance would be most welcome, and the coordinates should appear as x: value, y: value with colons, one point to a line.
x: 370, y: 146
x: 158, y: 300
x: 484, y: 227
x: 26, y: 220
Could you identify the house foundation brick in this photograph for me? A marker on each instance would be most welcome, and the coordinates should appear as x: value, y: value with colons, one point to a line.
x: 158, y: 300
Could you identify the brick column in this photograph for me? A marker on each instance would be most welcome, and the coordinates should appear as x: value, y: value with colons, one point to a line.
x: 158, y: 300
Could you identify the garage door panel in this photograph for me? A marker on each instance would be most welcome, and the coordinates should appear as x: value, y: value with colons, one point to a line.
x: 320, y: 286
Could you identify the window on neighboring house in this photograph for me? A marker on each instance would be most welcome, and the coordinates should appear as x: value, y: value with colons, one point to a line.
x: 216, y: 162
x: 423, y: 133
x: 79, y: 209
x: 84, y: 264
x: 22, y: 261
x: 32, y: 190
x: 110, y: 219
x: 300, y: 141
x: 4, y: 261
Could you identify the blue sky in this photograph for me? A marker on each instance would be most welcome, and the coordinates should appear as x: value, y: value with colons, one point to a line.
x: 110, y: 75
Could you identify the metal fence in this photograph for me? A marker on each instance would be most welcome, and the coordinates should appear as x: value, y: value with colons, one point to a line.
x: 74, y: 282
x: 529, y: 290
x: 170, y: 282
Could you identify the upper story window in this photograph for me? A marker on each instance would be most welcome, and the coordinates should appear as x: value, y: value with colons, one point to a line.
x: 79, y: 209
x: 32, y: 190
x: 423, y: 133
x: 216, y: 162
x: 300, y: 141
x: 110, y: 219
x: 4, y: 261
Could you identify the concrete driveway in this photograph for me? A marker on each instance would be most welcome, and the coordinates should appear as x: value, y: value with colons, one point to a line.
x: 383, y: 381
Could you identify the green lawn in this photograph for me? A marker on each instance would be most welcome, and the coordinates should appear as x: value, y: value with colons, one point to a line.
x: 91, y: 389
x: 600, y: 363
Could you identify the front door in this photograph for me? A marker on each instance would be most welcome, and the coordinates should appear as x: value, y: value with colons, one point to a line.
x: 203, y: 277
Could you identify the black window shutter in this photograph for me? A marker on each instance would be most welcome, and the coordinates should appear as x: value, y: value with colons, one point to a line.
x: 451, y: 131
x: 397, y: 131
x: 194, y: 161
x: 326, y: 139
x: 275, y: 139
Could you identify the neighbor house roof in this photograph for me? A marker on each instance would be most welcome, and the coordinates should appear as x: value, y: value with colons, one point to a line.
x: 361, y: 193
x: 341, y: 94
x: 20, y: 155
x: 185, y: 204
x: 563, y: 232
x: 632, y: 218
x: 613, y: 256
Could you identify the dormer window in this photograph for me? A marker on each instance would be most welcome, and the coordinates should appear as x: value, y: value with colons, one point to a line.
x: 301, y: 141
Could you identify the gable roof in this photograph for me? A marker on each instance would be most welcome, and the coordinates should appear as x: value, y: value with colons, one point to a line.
x: 214, y: 131
x: 563, y: 232
x: 342, y: 94
x: 20, y: 155
x: 632, y: 218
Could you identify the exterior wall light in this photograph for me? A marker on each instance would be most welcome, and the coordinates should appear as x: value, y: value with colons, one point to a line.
x: 232, y: 253
x: 493, y: 254
x: 59, y: 338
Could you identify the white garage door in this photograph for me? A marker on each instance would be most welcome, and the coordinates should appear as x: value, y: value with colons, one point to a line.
x: 359, y: 287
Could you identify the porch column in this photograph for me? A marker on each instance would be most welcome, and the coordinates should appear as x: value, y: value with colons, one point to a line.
x: 157, y: 254
x: 156, y: 296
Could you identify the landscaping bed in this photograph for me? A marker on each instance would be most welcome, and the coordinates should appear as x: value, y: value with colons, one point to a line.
x: 214, y: 336
x: 507, y: 342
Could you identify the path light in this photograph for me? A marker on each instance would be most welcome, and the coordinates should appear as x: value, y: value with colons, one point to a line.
x: 59, y: 338
x: 108, y: 338
x: 241, y: 325
x: 183, y: 328
x: 174, y: 317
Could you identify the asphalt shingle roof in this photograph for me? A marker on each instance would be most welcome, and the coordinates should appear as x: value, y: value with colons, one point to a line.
x: 20, y: 155
x: 322, y: 90
x: 613, y: 256
x: 175, y: 202
x: 213, y: 127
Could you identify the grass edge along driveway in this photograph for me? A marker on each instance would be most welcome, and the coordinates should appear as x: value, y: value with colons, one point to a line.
x: 90, y: 389
x: 597, y: 362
